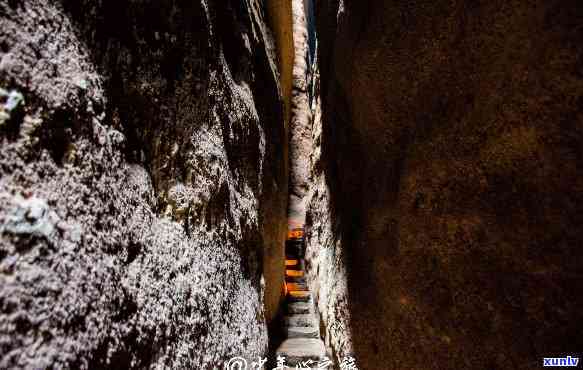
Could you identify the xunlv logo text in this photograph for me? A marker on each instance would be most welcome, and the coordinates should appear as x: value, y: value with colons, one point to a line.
x: 560, y: 361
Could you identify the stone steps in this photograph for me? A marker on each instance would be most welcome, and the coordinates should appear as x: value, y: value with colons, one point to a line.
x: 296, y: 279
x: 302, y: 332
x: 297, y: 287
x: 299, y: 307
x: 301, y: 320
x: 299, y: 296
x: 301, y: 325
x: 294, y: 273
x: 294, y: 264
x: 297, y: 350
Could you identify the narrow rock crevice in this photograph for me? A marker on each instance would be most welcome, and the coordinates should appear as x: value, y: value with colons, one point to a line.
x: 443, y: 207
x: 378, y: 184
x: 154, y: 135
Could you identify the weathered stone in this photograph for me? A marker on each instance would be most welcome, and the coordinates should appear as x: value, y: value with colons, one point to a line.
x: 296, y: 279
x: 302, y: 332
x: 296, y: 350
x: 299, y: 307
x: 297, y: 286
x: 150, y: 156
x: 9, y: 102
x: 28, y: 217
x: 447, y: 183
x: 301, y: 119
x: 300, y: 296
x: 300, y: 320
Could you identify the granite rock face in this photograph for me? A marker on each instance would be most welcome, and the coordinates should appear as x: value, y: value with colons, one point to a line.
x: 444, y: 229
x: 301, y: 110
x: 142, y: 183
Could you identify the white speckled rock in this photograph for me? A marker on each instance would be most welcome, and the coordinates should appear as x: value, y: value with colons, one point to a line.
x: 142, y: 179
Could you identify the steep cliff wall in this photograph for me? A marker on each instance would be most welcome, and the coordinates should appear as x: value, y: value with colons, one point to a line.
x: 281, y: 22
x: 447, y: 207
x: 142, y: 182
x: 301, y: 114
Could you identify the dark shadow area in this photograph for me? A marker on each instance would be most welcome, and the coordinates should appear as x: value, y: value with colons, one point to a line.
x: 452, y: 191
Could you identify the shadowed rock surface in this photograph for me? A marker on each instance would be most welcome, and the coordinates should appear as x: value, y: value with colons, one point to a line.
x: 142, y: 183
x: 447, y: 196
x: 280, y: 18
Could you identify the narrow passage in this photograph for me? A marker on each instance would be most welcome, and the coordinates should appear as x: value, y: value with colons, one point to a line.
x: 302, y: 345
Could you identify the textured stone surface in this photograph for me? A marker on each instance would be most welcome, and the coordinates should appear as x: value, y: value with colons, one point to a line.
x: 281, y: 21
x: 301, y: 118
x: 299, y: 296
x: 302, y: 344
x: 298, y: 307
x: 279, y: 17
x: 447, y: 183
x: 301, y: 320
x: 298, y: 350
x: 142, y: 183
x: 302, y: 332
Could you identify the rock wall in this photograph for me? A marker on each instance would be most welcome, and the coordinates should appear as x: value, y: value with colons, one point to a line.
x: 301, y: 114
x: 444, y: 230
x: 280, y: 20
x: 142, y: 183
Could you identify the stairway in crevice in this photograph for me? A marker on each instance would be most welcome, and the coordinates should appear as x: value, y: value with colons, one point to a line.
x: 302, y: 344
